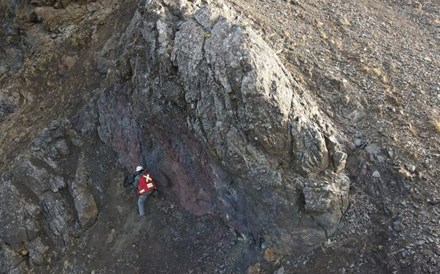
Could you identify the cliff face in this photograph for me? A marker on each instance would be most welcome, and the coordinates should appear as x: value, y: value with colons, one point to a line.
x: 224, y: 114
x: 250, y: 166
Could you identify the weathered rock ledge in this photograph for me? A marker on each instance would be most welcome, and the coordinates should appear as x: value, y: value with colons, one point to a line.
x: 199, y: 98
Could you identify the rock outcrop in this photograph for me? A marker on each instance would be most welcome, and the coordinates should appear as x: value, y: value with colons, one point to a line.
x: 202, y: 100
x: 206, y: 100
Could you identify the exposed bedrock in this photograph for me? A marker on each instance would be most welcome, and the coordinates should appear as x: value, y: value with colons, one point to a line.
x: 207, y: 105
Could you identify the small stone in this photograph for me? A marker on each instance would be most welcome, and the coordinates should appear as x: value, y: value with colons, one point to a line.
x: 91, y: 7
x: 69, y: 61
x: 24, y: 252
x: 405, y: 253
x: 417, y: 5
x: 358, y: 142
x: 411, y: 168
x: 376, y: 174
x: 280, y: 270
x: 398, y: 226
x: 58, y: 5
x: 62, y: 147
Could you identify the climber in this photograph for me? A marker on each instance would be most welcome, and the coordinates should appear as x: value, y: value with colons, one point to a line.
x: 145, y: 186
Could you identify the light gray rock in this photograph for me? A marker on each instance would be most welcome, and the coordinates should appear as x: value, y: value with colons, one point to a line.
x: 326, y: 198
x: 86, y: 208
x: 280, y: 270
x: 398, y: 226
x: 339, y: 161
x: 84, y: 201
x: 56, y: 216
x: 62, y: 147
x: 411, y: 168
x: 39, y: 179
x: 358, y: 142
x: 36, y: 251
x: 376, y: 174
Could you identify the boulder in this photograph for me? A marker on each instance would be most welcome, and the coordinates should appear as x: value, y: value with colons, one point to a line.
x: 325, y: 198
x: 84, y: 201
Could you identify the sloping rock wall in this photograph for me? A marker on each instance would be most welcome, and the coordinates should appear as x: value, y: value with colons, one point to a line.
x: 216, y: 112
x: 205, y: 104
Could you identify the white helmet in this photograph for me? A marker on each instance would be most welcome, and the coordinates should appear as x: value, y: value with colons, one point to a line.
x: 139, y: 168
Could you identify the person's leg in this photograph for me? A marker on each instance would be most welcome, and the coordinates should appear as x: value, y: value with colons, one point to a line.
x: 141, y: 203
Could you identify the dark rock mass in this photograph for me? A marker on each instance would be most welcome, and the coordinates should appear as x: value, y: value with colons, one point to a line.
x: 258, y: 143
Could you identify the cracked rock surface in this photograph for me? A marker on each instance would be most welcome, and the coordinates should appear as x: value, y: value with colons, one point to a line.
x: 255, y: 118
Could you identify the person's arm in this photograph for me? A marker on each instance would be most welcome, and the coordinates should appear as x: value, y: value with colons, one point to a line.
x: 136, y: 180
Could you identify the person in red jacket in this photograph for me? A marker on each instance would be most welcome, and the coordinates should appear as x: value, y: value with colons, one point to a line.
x: 145, y: 187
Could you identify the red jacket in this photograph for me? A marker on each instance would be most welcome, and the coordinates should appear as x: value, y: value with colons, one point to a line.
x: 146, y: 184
